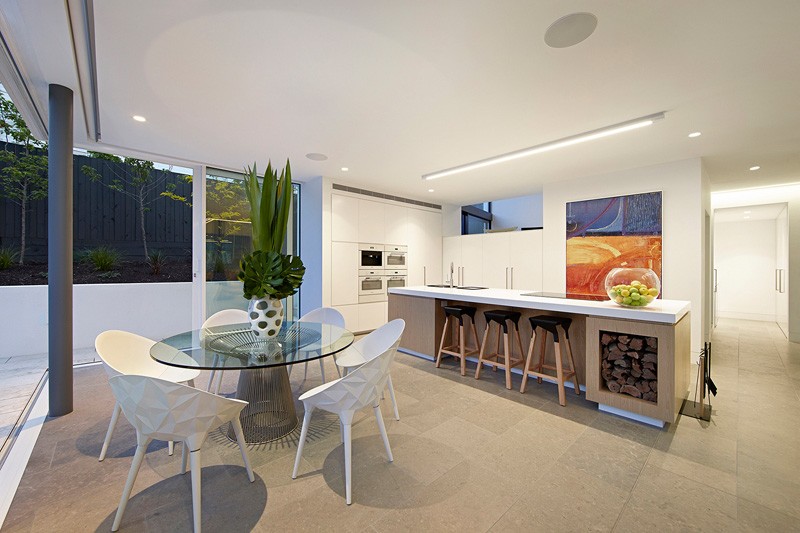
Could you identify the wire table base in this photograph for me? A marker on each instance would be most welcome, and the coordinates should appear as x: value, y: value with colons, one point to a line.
x: 270, y: 413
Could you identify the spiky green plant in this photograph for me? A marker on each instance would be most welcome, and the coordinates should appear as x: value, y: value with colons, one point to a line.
x: 269, y: 206
x: 7, y: 257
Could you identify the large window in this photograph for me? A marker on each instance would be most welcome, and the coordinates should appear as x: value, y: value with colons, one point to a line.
x: 228, y: 238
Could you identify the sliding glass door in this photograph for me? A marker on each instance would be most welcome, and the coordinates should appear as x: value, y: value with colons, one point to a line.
x: 228, y: 238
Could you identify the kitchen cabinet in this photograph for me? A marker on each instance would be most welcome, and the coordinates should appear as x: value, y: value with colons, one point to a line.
x: 507, y: 260
x: 344, y: 218
x: 344, y: 273
x: 526, y: 260
x: 395, y: 224
x: 372, y: 315
x: 350, y: 314
x: 424, y: 247
x: 371, y: 222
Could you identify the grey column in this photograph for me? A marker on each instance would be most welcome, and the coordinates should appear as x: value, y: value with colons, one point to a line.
x: 59, y: 249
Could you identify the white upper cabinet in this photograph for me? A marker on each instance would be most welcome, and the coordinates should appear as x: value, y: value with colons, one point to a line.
x: 344, y: 218
x: 471, y: 260
x: 344, y: 273
x: 496, y: 261
x: 396, y: 224
x: 526, y: 260
x: 371, y: 221
x: 451, y: 258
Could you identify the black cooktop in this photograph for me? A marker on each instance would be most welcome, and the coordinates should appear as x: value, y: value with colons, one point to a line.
x: 567, y: 296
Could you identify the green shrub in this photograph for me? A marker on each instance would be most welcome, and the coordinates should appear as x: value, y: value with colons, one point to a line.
x: 156, y: 259
x: 103, y: 258
x: 7, y: 257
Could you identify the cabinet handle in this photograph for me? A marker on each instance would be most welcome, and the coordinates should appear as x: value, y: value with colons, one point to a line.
x: 778, y: 279
x: 506, y: 277
x: 512, y: 278
x: 424, y: 276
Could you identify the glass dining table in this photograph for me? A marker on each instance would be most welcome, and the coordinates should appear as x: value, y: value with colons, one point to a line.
x: 263, y: 380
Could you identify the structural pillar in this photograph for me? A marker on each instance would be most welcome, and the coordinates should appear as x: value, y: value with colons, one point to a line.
x: 59, y: 249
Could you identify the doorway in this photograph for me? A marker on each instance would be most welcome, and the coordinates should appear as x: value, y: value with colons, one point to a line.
x: 751, y: 246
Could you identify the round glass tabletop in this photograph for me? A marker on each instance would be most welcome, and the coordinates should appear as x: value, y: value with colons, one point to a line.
x: 236, y: 347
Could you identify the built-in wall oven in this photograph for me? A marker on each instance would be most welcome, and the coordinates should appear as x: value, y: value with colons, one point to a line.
x: 395, y: 257
x: 370, y: 256
x: 371, y: 286
x: 395, y: 278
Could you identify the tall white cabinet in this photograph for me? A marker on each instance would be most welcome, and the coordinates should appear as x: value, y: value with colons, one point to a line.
x: 356, y: 219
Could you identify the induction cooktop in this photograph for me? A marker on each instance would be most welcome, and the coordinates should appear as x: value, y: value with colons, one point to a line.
x: 567, y: 296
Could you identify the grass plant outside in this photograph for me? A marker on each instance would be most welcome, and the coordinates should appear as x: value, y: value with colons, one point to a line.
x: 7, y: 257
x: 103, y: 258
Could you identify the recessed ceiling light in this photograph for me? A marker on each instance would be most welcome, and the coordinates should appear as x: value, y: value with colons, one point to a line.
x: 756, y: 167
x: 695, y: 134
x: 747, y: 212
x: 570, y: 30
x: 139, y: 118
x: 316, y: 157
x: 345, y: 169
x: 430, y: 190
x: 746, y: 216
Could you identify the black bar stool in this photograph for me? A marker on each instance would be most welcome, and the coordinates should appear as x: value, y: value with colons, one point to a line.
x: 558, y: 328
x: 505, y: 360
x: 458, y: 346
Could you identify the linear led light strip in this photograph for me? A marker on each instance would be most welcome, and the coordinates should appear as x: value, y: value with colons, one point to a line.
x: 548, y: 146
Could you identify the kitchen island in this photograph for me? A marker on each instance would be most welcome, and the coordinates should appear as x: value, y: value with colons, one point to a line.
x: 632, y: 361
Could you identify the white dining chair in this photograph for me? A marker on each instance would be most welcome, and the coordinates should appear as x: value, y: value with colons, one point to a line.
x: 163, y: 410
x: 358, y: 389
x: 321, y: 315
x: 359, y: 353
x: 125, y: 353
x: 225, y: 317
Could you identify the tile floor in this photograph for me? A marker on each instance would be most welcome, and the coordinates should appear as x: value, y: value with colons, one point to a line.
x: 19, y: 376
x: 469, y: 456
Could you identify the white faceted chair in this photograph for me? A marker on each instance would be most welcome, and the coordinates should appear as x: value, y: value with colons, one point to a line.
x: 125, y: 353
x: 358, y: 389
x: 322, y: 315
x: 365, y: 350
x: 225, y: 317
x: 163, y: 410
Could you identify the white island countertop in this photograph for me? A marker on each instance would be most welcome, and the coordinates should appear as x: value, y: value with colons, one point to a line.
x: 660, y: 311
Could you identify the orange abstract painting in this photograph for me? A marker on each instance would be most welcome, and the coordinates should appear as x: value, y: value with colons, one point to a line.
x: 606, y: 233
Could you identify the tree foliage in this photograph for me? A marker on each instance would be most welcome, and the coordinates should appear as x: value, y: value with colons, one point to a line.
x: 24, y: 175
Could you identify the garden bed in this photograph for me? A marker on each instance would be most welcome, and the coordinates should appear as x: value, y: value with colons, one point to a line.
x: 174, y: 270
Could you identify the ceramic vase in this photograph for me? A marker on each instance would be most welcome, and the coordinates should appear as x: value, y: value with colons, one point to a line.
x: 266, y: 316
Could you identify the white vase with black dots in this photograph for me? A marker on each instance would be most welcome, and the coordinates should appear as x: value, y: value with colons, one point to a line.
x: 266, y: 317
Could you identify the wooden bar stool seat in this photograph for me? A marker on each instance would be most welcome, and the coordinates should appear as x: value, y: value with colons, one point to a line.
x: 458, y: 342
x: 506, y: 360
x: 558, y: 328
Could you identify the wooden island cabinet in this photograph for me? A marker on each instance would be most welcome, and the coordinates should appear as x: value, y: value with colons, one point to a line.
x: 632, y: 362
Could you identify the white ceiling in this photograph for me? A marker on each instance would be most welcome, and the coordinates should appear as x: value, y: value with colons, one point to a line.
x: 748, y: 213
x: 394, y: 90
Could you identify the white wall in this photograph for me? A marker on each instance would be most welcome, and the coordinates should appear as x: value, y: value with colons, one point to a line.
x: 451, y: 220
x: 744, y: 256
x: 520, y: 212
x: 683, y: 211
x: 154, y: 310
x: 775, y: 195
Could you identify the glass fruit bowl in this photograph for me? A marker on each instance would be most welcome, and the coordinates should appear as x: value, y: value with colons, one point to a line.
x: 632, y: 287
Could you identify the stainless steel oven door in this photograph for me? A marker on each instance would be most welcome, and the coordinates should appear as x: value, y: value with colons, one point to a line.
x: 368, y: 285
x: 395, y: 281
x: 395, y: 259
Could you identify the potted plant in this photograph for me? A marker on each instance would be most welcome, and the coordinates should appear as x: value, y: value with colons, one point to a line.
x: 268, y: 275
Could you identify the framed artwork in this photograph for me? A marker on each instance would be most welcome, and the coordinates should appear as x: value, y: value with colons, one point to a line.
x: 623, y: 231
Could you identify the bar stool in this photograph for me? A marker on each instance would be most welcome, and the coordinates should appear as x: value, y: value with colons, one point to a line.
x: 558, y: 327
x: 458, y: 348
x: 505, y: 360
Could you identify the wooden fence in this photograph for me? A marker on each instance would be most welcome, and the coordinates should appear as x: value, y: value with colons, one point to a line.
x: 105, y: 217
